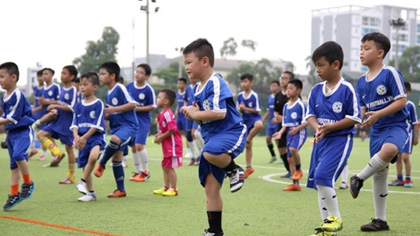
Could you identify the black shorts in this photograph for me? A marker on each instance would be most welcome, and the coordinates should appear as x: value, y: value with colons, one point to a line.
x: 282, y: 142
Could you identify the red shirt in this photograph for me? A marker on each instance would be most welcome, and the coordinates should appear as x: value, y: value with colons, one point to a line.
x: 172, y: 145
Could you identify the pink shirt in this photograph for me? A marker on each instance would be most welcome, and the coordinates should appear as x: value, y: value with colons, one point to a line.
x: 171, y: 146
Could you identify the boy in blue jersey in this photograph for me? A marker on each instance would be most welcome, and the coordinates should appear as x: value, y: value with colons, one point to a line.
x: 404, y: 156
x: 144, y: 96
x: 273, y: 125
x: 17, y: 120
x: 59, y: 127
x: 37, y: 110
x: 295, y: 125
x: 221, y: 127
x: 89, y: 133
x: 249, y: 106
x: 382, y: 99
x: 122, y: 122
x: 333, y: 111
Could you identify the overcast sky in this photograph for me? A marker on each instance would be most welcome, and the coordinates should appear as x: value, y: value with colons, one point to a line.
x: 55, y: 32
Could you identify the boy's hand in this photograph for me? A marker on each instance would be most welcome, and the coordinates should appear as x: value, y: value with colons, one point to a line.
x: 52, y: 106
x: 109, y: 110
x: 157, y: 140
x: 81, y: 143
x: 415, y: 141
x: 76, y: 141
x: 274, y: 120
x: 241, y: 107
x: 370, y: 118
x: 321, y: 131
x: 292, y: 131
x: 189, y: 111
x: 42, y: 101
x: 277, y: 135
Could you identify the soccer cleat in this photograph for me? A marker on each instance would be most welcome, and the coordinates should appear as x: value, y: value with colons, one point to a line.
x: 146, y: 174
x: 170, y: 192
x: 292, y: 187
x: 408, y: 183
x: 343, y: 185
x: 192, y: 162
x: 41, y: 157
x: 188, y: 154
x: 124, y: 164
x: 297, y: 175
x: 81, y: 187
x: 87, y: 198
x: 248, y: 172
x: 332, y: 224
x: 99, y: 171
x: 67, y: 180
x: 134, y: 177
x: 396, y: 182
x: 320, y: 232
x: 32, y: 153
x: 160, y: 191
x: 375, y: 225
x: 56, y: 160
x: 208, y: 233
x: 12, y: 201
x: 286, y: 176
x: 117, y: 193
x: 27, y: 191
x: 139, y: 178
x: 236, y: 177
x: 356, y: 184
x: 272, y: 159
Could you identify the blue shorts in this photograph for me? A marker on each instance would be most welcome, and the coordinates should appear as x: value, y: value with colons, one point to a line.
x: 18, y: 142
x: 250, y: 123
x: 396, y: 134
x: 141, y: 137
x: 231, y: 141
x: 328, y: 159
x: 182, y: 124
x: 271, y: 129
x: 408, y: 148
x: 94, y: 140
x: 126, y: 135
x: 296, y: 141
x: 66, y: 139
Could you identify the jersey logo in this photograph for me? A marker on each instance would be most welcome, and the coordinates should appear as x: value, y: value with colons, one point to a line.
x: 114, y: 101
x: 163, y: 124
x: 293, y: 115
x: 249, y: 104
x: 141, y: 96
x: 92, y: 114
x: 337, y: 107
x: 50, y: 93
x: 66, y: 96
x: 381, y: 89
x: 206, y: 105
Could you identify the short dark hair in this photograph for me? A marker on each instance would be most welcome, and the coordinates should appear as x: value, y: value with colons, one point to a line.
x: 112, y: 68
x: 146, y: 68
x: 170, y: 95
x: 182, y: 79
x: 121, y: 80
x: 201, y: 48
x: 91, y: 77
x: 72, y: 70
x: 297, y: 83
x: 11, y: 68
x: 49, y: 69
x: 248, y: 76
x: 407, y: 86
x: 292, y: 75
x: 275, y: 82
x: 76, y: 80
x: 331, y: 50
x: 381, y: 41
x: 39, y: 73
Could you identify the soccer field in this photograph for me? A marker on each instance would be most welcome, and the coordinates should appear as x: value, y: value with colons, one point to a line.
x: 260, y: 208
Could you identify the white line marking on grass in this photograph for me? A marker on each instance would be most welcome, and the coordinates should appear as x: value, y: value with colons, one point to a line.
x: 269, y: 179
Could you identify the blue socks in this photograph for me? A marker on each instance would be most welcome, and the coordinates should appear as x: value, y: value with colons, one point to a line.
x: 118, y: 170
x: 110, y: 150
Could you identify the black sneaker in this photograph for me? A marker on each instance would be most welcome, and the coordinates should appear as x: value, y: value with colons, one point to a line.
x: 208, y: 233
x: 375, y: 225
x: 27, y: 190
x: 236, y: 177
x: 356, y: 184
x: 12, y: 201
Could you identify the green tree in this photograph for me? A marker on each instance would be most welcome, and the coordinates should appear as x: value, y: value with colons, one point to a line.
x: 249, y: 44
x: 229, y: 48
x: 312, y: 76
x: 409, y: 64
x: 170, y: 74
x: 103, y: 50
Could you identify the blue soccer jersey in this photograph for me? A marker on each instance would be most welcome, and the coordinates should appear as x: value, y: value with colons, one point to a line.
x: 270, y: 108
x: 61, y: 124
x: 293, y: 114
x: 411, y: 108
x: 119, y: 96
x: 380, y: 92
x: 88, y: 115
x: 334, y: 106
x: 217, y: 97
x: 251, y: 101
x: 37, y: 95
x: 50, y: 93
x: 143, y: 96
x: 17, y: 109
x: 181, y: 98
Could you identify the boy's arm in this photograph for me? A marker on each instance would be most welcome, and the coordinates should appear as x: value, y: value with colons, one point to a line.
x: 145, y: 108
x: 278, y: 117
x: 415, y: 134
x: 194, y: 113
x: 265, y: 117
x: 4, y: 121
x: 278, y: 134
x: 36, y: 109
x: 126, y: 107
x: 57, y: 106
x: 301, y: 126
x: 313, y: 122
x: 250, y: 109
x: 386, y: 111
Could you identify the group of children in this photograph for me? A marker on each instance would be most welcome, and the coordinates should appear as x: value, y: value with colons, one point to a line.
x: 334, y: 108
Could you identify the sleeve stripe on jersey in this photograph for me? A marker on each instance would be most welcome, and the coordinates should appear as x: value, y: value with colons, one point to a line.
x: 154, y: 96
x: 257, y: 101
x: 356, y: 111
x: 167, y: 116
x: 216, y: 91
x: 12, y: 112
x: 302, y: 105
x: 307, y: 112
x: 100, y: 118
x: 398, y: 82
x: 74, y: 99
x: 126, y: 94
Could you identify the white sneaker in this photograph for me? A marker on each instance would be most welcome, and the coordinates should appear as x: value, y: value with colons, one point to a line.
x: 81, y: 187
x: 188, y: 154
x: 87, y: 198
x: 343, y: 185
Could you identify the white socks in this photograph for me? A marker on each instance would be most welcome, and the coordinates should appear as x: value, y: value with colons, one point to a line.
x: 192, y: 149
x: 144, y: 160
x: 345, y: 174
x: 327, y: 198
x: 375, y: 164
x: 137, y: 163
x: 380, y: 193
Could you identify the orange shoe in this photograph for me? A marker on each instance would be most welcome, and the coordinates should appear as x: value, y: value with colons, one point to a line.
x: 33, y: 153
x: 56, y: 160
x: 292, y: 187
x: 134, y: 176
x: 41, y: 158
x: 297, y: 175
x: 248, y: 172
x: 138, y: 177
x: 117, y: 193
x: 67, y: 180
x: 99, y: 170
